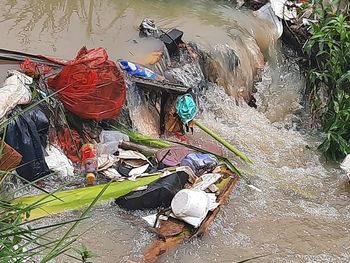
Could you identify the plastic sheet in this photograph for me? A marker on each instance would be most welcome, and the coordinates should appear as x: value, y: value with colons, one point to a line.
x: 34, y: 69
x: 15, y: 91
x: 109, y: 141
x: 91, y: 86
x: 200, y: 162
x: 58, y: 162
x: 69, y: 141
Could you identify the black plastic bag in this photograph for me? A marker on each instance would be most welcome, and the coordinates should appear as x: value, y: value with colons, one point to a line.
x: 41, y: 122
x: 22, y: 134
x: 158, y: 194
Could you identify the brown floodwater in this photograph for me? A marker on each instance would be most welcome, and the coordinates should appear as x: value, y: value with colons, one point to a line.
x: 303, y: 211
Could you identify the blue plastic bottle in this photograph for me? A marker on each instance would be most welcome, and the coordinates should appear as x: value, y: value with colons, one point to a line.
x: 137, y: 70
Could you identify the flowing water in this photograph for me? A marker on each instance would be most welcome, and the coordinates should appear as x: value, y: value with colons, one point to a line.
x: 303, y: 211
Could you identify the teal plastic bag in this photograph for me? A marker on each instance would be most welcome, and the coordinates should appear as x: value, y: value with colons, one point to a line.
x: 186, y: 108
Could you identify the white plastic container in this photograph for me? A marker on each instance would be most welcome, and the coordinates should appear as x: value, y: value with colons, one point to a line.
x: 192, y: 206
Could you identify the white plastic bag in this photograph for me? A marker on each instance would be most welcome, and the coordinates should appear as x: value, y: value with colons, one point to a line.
x: 15, y: 91
x: 58, y: 162
x: 109, y: 141
x: 283, y: 9
x: 266, y: 12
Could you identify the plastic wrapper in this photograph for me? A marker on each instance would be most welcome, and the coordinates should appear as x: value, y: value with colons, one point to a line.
x: 15, y: 91
x: 200, y: 162
x: 58, y: 162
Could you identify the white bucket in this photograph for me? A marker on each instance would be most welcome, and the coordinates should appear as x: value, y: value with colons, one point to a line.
x: 190, y: 203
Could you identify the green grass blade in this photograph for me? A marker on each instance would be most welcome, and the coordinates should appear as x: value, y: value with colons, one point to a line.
x: 59, y: 246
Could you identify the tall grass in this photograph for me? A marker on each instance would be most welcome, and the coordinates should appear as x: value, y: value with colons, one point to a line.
x: 329, y: 75
x: 19, y: 239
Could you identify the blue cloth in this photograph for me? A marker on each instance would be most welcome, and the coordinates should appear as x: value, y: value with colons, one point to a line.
x: 200, y: 162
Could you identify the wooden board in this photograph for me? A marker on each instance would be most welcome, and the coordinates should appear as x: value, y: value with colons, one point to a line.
x: 164, y: 244
x: 160, y: 86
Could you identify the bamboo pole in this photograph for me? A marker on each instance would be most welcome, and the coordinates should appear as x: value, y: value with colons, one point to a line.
x: 223, y: 142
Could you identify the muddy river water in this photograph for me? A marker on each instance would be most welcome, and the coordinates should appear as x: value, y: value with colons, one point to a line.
x: 303, y: 211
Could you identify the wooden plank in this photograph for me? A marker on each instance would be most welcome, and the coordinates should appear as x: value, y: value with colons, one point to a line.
x: 164, y: 244
x: 160, y: 86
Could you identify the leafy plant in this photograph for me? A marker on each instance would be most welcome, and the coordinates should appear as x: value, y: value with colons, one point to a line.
x: 21, y: 240
x: 329, y: 49
x: 85, y: 254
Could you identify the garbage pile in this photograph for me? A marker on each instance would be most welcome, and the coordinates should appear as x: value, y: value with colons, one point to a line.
x: 63, y: 118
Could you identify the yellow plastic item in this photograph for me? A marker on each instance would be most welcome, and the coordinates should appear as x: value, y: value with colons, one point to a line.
x: 90, y: 179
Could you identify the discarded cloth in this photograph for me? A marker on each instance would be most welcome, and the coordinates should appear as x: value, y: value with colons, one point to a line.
x: 41, y: 122
x: 148, y: 28
x: 15, y: 91
x: 131, y: 155
x: 105, y: 161
x: 200, y: 162
x: 91, y: 86
x: 127, y: 164
x: 172, y: 156
x: 58, y: 162
x: 206, y: 181
x: 22, y: 134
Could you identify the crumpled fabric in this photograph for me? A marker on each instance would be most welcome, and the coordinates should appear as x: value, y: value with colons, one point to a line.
x: 200, y: 163
x: 22, y: 134
x: 15, y: 91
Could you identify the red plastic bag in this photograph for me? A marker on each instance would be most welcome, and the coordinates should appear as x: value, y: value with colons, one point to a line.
x: 91, y: 86
x: 34, y: 69
x: 69, y: 141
